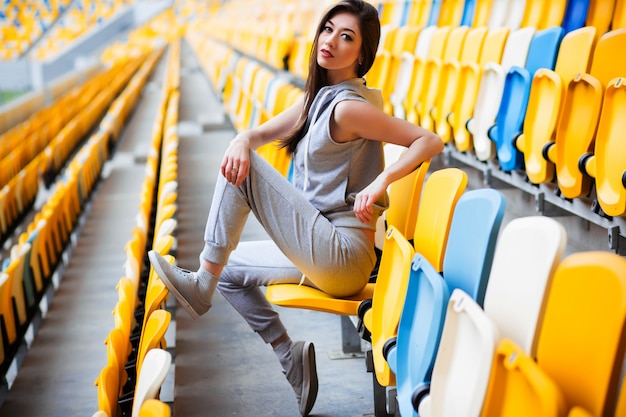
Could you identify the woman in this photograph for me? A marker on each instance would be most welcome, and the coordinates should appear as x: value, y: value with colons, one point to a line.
x: 322, y: 225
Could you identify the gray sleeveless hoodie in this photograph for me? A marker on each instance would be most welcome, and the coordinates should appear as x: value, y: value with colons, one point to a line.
x: 329, y: 173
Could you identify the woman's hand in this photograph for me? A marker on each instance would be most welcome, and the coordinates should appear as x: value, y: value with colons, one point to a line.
x: 236, y: 162
x: 364, y: 201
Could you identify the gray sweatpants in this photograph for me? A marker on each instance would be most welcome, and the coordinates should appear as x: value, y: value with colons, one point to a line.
x: 337, y: 260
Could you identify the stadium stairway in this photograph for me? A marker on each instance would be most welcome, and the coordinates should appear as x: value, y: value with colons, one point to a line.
x: 220, y: 366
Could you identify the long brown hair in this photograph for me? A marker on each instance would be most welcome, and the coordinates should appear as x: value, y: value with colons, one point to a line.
x: 369, y: 25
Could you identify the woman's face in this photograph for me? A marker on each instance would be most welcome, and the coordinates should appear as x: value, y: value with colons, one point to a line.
x: 339, y: 47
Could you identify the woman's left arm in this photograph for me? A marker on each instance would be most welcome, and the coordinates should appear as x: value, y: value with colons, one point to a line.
x: 355, y: 119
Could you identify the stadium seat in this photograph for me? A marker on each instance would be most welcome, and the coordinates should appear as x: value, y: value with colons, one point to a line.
x: 408, y: 67
x: 542, y: 53
x: 108, y: 391
x: 451, y: 13
x: 513, y: 308
x: 607, y: 165
x: 516, y: 11
x: 467, y: 18
x: 467, y: 264
x: 154, y: 408
x: 403, y: 41
x: 498, y: 11
x: 419, y: 13
x: 575, y: 15
x: 151, y: 378
x: 117, y: 355
x: 546, y: 99
x: 490, y: 91
x: 518, y: 387
x: 438, y: 37
x: 588, y: 294
x: 600, y: 14
x: 576, y: 130
x: 619, y: 15
x: 527, y: 254
x: 585, y: 312
x: 463, y: 362
x: 468, y: 87
x: 433, y: 69
x: 447, y: 88
x: 152, y: 336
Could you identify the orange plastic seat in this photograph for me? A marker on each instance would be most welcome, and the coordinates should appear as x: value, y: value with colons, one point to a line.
x: 607, y: 165
x: 576, y: 130
x: 545, y: 103
x: 519, y: 388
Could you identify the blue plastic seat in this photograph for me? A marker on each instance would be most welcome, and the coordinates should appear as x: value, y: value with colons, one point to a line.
x: 575, y: 15
x: 542, y: 53
x: 467, y: 19
x: 467, y: 264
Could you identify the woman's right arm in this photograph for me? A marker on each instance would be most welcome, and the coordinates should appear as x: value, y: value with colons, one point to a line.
x: 236, y: 162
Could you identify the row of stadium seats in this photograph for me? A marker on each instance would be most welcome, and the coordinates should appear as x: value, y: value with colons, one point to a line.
x: 22, y: 23
x: 30, y: 274
x: 52, y: 25
x: 137, y: 360
x: 97, y: 109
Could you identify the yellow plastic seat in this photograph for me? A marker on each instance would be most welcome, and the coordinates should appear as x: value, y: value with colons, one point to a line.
x: 451, y: 13
x: 600, y: 14
x: 403, y: 40
x: 546, y: 101
x: 382, y: 318
x: 154, y: 408
x: 576, y: 130
x: 152, y: 335
x: 468, y: 85
x: 581, y: 346
x: 433, y: 69
x: 519, y: 388
x: 108, y: 391
x: 410, y: 64
x: 619, y: 15
x: 436, y: 48
x: 607, y: 164
x: 447, y: 88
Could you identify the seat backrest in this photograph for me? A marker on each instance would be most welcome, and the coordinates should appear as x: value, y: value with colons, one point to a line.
x: 527, y: 254
x: 575, y: 15
x: 462, y: 368
x: 607, y: 62
x: 404, y: 200
x: 108, y: 390
x: 151, y: 377
x: 154, y: 408
x: 472, y: 239
x: 419, y: 330
x: 609, y: 150
x: 442, y: 190
x: 152, y: 335
x: 519, y: 387
x: 543, y: 49
x: 388, y: 298
x: 582, y: 341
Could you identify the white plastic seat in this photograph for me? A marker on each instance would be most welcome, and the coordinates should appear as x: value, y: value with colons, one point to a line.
x: 463, y: 364
x: 490, y: 90
x: 151, y: 377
